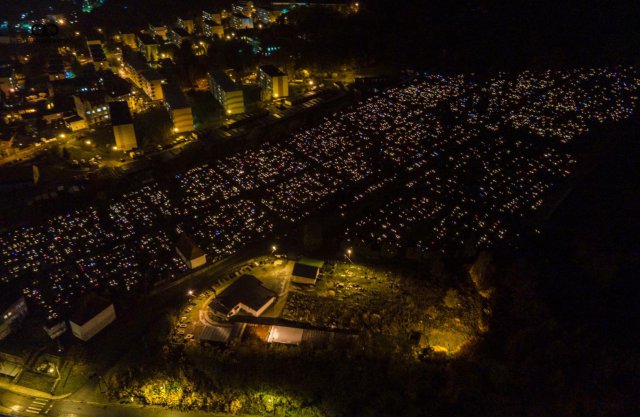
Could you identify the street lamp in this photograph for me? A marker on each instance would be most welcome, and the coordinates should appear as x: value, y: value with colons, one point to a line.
x: 348, y: 255
x: 190, y: 292
x: 273, y: 249
x: 115, y: 148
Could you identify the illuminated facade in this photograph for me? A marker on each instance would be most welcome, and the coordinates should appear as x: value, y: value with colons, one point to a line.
x: 122, y: 123
x: 143, y: 76
x: 229, y: 94
x: 178, y: 108
x: 13, y: 310
x: 92, y: 108
x: 94, y: 314
x: 273, y: 82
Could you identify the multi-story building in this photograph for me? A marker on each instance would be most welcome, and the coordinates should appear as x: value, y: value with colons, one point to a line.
x: 122, y: 123
x: 148, y: 46
x: 229, y: 94
x: 98, y: 57
x: 213, y: 16
x: 8, y: 82
x: 260, y: 44
x: 211, y: 29
x: 127, y: 38
x: 342, y: 6
x: 267, y: 14
x: 179, y: 35
x: 13, y: 310
x: 178, y: 108
x: 149, y: 80
x: 240, y: 21
x: 243, y: 7
x: 75, y: 123
x: 186, y: 24
x: 92, y: 107
x: 273, y: 82
x: 159, y: 30
x: 56, y: 69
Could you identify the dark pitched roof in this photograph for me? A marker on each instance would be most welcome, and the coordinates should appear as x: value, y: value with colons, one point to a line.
x: 188, y: 247
x: 271, y: 71
x: 120, y: 114
x: 90, y: 306
x: 305, y: 271
x: 247, y: 290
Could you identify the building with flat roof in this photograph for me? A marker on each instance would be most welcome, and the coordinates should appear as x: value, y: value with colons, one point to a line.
x: 122, y: 124
x: 178, y: 108
x: 239, y: 21
x: 186, y: 24
x: 148, y: 46
x: 246, y: 294
x: 229, y: 94
x: 144, y: 77
x: 243, y: 7
x: 98, y: 57
x: 92, y: 315
x: 92, y: 107
x: 55, y: 328
x: 159, y: 30
x: 215, y: 17
x: 8, y: 81
x: 306, y: 271
x: 273, y: 82
x: 179, y: 35
x: 189, y: 252
x: 13, y: 310
x: 267, y: 14
x: 211, y: 29
x: 75, y: 123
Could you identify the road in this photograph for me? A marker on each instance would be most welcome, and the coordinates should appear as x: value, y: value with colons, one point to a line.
x: 22, y: 405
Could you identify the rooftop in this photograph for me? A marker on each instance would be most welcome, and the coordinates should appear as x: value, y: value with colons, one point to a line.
x: 174, y: 97
x: 271, y: 71
x: 181, y: 32
x: 146, y: 39
x: 224, y: 81
x: 305, y: 271
x: 120, y: 114
x: 90, y: 306
x: 188, y: 247
x: 247, y: 290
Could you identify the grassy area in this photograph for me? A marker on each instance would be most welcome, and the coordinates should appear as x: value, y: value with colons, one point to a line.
x: 207, y: 113
x: 388, y: 303
x: 153, y: 127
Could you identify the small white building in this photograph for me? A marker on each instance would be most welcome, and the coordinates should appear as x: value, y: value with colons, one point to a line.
x: 189, y: 252
x: 285, y: 335
x: 94, y: 314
